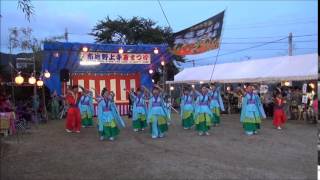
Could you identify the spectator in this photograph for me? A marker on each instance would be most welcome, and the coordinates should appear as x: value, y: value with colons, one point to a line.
x: 277, y: 90
x: 287, y: 102
x: 315, y: 107
x: 268, y: 103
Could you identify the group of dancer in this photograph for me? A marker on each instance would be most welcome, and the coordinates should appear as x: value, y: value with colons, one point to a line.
x: 200, y: 109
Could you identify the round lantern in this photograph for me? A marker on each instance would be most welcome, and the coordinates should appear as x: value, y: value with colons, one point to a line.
x: 156, y: 51
x: 47, y: 74
x: 32, y: 80
x: 40, y: 83
x: 19, y: 79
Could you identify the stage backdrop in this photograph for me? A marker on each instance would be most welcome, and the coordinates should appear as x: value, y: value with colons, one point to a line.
x: 135, y: 59
x: 115, y: 71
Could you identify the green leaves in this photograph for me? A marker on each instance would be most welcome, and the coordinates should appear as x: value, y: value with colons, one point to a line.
x: 136, y: 30
x: 26, y: 7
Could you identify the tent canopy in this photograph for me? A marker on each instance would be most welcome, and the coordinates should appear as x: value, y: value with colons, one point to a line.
x: 300, y: 67
x: 69, y: 58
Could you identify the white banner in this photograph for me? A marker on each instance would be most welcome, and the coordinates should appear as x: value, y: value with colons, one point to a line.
x: 264, y: 88
x: 116, y: 58
x: 304, y: 88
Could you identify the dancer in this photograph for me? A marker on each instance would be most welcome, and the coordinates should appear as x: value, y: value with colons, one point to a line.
x: 55, y: 106
x: 216, y: 104
x: 73, y: 114
x: 86, y: 109
x: 187, y: 109
x: 157, y: 113
x: 252, y: 112
x: 109, y: 119
x: 139, y: 118
x: 279, y: 116
x: 203, y: 115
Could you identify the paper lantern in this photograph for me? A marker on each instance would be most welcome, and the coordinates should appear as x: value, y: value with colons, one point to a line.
x: 120, y: 51
x: 47, y: 74
x: 32, y: 80
x: 40, y: 83
x: 156, y: 51
x: 19, y: 79
x: 85, y: 49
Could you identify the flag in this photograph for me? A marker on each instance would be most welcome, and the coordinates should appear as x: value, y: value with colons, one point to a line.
x: 199, y: 38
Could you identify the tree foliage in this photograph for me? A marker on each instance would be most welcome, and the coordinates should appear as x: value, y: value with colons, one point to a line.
x: 131, y: 31
x: 136, y: 30
x: 22, y: 38
x: 26, y: 7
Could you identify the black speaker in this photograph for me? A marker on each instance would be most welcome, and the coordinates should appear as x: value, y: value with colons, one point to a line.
x: 64, y: 75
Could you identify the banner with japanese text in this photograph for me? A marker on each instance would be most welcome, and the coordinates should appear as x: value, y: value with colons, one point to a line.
x: 199, y: 38
x: 115, y: 58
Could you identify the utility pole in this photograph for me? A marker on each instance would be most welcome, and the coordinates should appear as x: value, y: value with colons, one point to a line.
x: 290, y: 44
x: 35, y: 98
x: 66, y: 34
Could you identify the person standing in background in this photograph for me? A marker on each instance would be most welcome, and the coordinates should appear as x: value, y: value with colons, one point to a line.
x: 268, y: 103
x: 55, y: 106
x: 315, y: 107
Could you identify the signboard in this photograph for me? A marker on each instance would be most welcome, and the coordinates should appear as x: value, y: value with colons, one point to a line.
x: 304, y: 88
x: 304, y: 99
x: 264, y: 88
x: 199, y: 38
x: 115, y: 58
x: 23, y: 63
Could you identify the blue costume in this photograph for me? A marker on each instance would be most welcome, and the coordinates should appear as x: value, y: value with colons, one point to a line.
x: 108, y: 119
x: 139, y: 117
x: 86, y: 110
x: 203, y: 114
x: 251, y: 113
x: 187, y: 111
x: 157, y: 116
x: 216, y: 104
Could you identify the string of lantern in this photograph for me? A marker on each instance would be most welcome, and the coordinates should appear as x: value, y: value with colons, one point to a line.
x: 19, y: 80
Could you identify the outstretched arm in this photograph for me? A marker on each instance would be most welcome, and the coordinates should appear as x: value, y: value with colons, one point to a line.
x: 196, y: 92
x: 147, y: 92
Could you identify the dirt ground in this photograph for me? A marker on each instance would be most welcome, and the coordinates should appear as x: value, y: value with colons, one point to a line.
x: 48, y: 152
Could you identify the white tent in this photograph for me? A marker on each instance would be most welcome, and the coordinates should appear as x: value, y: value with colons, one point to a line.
x: 284, y: 68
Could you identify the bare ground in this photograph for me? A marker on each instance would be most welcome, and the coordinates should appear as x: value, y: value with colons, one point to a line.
x: 48, y: 152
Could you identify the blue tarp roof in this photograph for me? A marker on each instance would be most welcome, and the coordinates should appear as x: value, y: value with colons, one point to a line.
x: 69, y: 54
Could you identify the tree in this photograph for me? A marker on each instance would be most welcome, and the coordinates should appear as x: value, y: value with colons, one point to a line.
x: 22, y: 39
x: 26, y: 7
x: 136, y: 30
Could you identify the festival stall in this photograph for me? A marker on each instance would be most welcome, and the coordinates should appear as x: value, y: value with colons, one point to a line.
x: 95, y: 66
x: 283, y: 68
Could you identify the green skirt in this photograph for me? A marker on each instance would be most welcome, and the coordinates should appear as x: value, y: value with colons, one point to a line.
x: 87, y: 121
x: 187, y: 119
x: 251, y: 127
x: 110, y: 130
x: 251, y: 124
x: 140, y: 123
x: 203, y: 122
x: 216, y: 115
x: 162, y: 124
